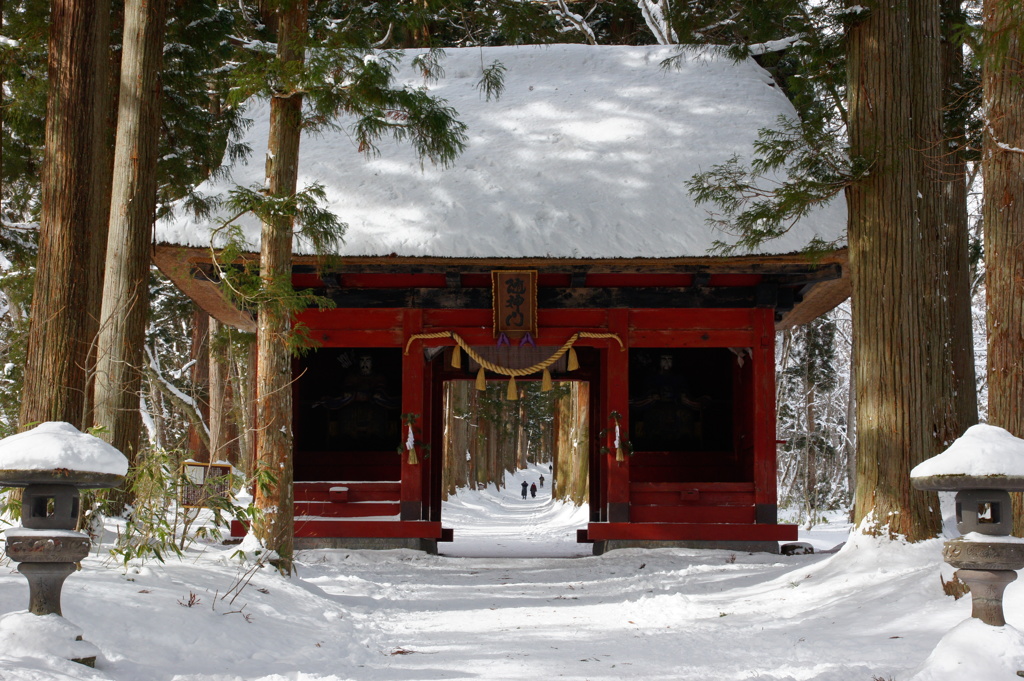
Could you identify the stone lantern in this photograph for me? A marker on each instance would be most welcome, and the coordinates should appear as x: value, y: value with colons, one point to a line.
x: 982, y: 467
x: 53, y: 461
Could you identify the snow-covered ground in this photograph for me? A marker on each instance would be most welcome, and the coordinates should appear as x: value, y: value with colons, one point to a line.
x: 514, y: 597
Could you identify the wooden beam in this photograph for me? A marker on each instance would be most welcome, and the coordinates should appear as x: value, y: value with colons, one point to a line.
x: 177, y: 266
x: 413, y: 403
x: 553, y: 298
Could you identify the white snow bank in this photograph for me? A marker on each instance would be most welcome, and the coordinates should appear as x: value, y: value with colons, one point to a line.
x: 585, y: 155
x: 973, y: 651
x: 981, y: 450
x: 59, y: 445
x: 42, y: 636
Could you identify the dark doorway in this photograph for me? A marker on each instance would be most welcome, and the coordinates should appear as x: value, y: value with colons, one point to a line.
x: 348, y: 414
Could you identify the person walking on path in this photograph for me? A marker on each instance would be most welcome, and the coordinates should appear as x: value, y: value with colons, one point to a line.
x: 525, y: 486
x: 533, y: 490
x: 542, y: 481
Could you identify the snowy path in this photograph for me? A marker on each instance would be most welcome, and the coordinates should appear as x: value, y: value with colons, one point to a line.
x: 515, y: 597
x: 502, y: 523
x: 662, y: 614
x: 487, y: 612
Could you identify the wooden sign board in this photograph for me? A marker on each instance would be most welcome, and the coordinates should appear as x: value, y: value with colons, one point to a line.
x: 514, y: 302
x: 201, y: 482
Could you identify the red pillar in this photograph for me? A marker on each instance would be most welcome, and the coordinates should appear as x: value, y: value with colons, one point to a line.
x: 413, y: 404
x: 765, y: 493
x: 616, y: 399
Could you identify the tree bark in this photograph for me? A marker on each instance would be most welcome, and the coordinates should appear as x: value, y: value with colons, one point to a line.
x: 125, y: 300
x: 274, y: 370
x: 200, y: 358
x: 1003, y: 216
x: 811, y: 452
x: 58, y: 344
x: 243, y: 387
x: 849, y: 444
x: 892, y: 222
x: 3, y: 81
x: 223, y: 428
x: 107, y: 98
x: 965, y: 389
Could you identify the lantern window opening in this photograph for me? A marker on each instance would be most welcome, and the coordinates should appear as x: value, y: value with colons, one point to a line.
x: 988, y: 513
x: 43, y: 506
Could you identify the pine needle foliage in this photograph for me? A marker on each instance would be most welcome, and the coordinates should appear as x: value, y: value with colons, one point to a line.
x: 795, y: 168
x: 23, y: 71
x: 492, y: 81
x: 345, y: 75
x: 18, y: 246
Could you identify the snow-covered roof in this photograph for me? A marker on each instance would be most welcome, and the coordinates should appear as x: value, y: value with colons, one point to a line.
x: 585, y: 155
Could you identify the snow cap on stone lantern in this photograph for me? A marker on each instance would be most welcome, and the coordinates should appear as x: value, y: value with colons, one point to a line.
x: 56, y: 449
x: 982, y: 466
x: 983, y: 451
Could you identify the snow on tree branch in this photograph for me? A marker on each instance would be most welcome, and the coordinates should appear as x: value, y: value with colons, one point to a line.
x: 180, y: 399
x: 1002, y: 145
x: 775, y: 45
x: 656, y: 13
x: 573, y: 22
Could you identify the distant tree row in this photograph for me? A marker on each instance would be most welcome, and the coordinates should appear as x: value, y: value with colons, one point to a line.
x: 487, y: 435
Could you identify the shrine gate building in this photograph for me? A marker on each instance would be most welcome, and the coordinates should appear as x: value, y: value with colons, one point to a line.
x: 564, y: 242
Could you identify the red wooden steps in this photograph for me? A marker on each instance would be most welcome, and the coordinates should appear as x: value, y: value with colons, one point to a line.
x: 686, y: 532
x: 328, y: 509
x: 373, y: 529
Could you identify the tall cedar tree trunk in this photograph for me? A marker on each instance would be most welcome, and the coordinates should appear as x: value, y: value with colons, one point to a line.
x: 125, y: 303
x: 965, y: 389
x: 851, y: 427
x: 943, y: 297
x: 893, y: 228
x: 274, y: 369
x: 3, y: 80
x: 241, y: 375
x: 811, y: 452
x: 1003, y: 216
x: 103, y: 140
x: 58, y: 344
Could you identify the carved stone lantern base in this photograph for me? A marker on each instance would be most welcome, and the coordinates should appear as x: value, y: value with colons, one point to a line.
x: 987, y: 588
x: 44, y: 585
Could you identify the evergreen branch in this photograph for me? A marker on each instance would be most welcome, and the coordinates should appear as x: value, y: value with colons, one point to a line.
x: 429, y: 64
x: 492, y: 82
x: 757, y: 207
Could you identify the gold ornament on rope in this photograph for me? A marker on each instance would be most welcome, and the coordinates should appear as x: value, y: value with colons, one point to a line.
x: 481, y: 379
